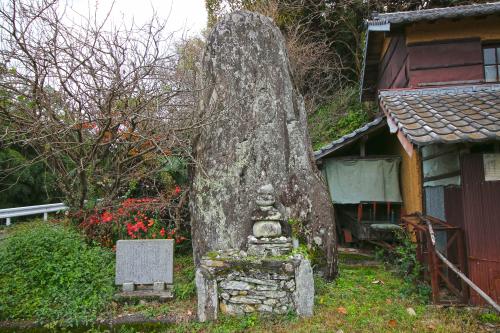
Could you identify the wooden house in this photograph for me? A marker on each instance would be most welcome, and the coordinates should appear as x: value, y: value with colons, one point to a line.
x: 435, y: 75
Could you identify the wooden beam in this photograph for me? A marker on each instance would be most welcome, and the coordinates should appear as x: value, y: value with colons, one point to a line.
x: 362, y: 146
x: 441, y: 153
x: 393, y: 128
x: 442, y: 176
x: 407, y: 145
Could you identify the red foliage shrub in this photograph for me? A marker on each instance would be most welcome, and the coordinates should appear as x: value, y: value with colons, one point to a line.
x: 143, y: 218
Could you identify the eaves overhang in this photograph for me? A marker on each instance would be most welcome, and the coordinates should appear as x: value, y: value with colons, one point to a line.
x: 374, y: 30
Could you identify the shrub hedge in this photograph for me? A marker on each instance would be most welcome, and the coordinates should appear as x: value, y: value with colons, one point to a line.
x: 48, y: 273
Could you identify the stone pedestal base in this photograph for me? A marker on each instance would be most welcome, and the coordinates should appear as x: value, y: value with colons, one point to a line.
x: 244, y: 285
x: 146, y: 293
x: 265, y: 247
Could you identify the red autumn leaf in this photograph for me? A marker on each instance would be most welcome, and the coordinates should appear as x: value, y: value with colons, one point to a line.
x: 342, y: 310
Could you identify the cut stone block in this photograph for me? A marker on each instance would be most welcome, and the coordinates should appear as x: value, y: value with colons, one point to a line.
x: 304, y: 292
x: 208, y: 301
x: 146, y: 295
x: 159, y: 286
x: 128, y: 286
x: 144, y: 261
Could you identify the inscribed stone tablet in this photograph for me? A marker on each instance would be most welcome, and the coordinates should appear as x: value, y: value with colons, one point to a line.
x: 144, y: 261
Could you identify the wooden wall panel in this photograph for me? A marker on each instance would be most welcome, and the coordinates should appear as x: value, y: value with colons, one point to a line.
x: 445, y: 62
x: 410, y: 176
x: 445, y: 54
x: 486, y: 28
x: 392, y: 68
x: 446, y: 76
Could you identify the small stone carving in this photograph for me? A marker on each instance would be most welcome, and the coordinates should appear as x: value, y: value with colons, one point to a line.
x: 266, y: 217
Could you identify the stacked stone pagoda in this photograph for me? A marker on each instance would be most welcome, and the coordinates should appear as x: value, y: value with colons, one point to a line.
x: 267, y: 238
x: 267, y: 278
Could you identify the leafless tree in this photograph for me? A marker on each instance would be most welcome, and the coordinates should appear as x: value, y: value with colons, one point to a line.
x: 325, y: 38
x: 318, y: 60
x: 102, y: 107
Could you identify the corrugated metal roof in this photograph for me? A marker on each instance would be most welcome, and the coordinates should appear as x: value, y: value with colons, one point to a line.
x: 445, y: 115
x: 348, y: 138
x: 435, y: 13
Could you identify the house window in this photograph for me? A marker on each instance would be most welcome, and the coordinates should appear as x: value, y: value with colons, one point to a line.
x: 491, y: 58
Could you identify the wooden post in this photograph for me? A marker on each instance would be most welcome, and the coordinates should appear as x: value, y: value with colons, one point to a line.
x: 433, y: 267
x: 462, y: 261
x: 360, y: 212
x: 362, y: 146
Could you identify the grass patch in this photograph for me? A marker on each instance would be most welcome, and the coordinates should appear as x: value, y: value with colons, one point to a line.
x: 354, y: 257
x: 71, y: 282
x: 184, y: 271
x: 362, y: 299
x: 149, y: 310
x: 49, y: 274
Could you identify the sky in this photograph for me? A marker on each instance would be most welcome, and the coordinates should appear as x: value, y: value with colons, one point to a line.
x: 183, y: 16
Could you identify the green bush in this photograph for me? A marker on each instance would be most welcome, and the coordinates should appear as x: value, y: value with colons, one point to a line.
x: 404, y: 260
x: 340, y: 117
x: 24, y: 183
x: 49, y: 274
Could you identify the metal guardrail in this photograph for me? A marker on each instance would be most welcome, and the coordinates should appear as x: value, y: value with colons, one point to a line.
x: 8, y: 213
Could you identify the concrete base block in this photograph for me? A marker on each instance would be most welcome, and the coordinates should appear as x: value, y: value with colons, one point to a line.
x: 128, y: 286
x: 158, y: 286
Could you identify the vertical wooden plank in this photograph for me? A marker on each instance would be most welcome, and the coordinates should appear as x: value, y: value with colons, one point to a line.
x: 462, y: 260
x: 433, y: 267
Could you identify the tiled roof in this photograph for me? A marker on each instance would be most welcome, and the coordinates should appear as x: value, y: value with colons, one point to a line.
x: 445, y: 115
x: 436, y: 13
x: 348, y: 138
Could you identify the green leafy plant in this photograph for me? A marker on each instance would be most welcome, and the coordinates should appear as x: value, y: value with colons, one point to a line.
x: 184, y: 286
x: 296, y: 227
x: 299, y: 230
x: 404, y: 260
x: 23, y: 183
x: 340, y: 117
x: 301, y: 249
x: 51, y: 275
x: 489, y: 317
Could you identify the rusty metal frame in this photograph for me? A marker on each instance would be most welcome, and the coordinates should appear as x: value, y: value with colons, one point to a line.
x: 436, y: 271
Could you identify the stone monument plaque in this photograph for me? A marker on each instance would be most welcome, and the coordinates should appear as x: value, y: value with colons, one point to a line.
x: 144, y: 261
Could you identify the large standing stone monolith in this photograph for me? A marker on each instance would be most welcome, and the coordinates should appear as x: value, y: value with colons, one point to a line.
x: 257, y: 135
